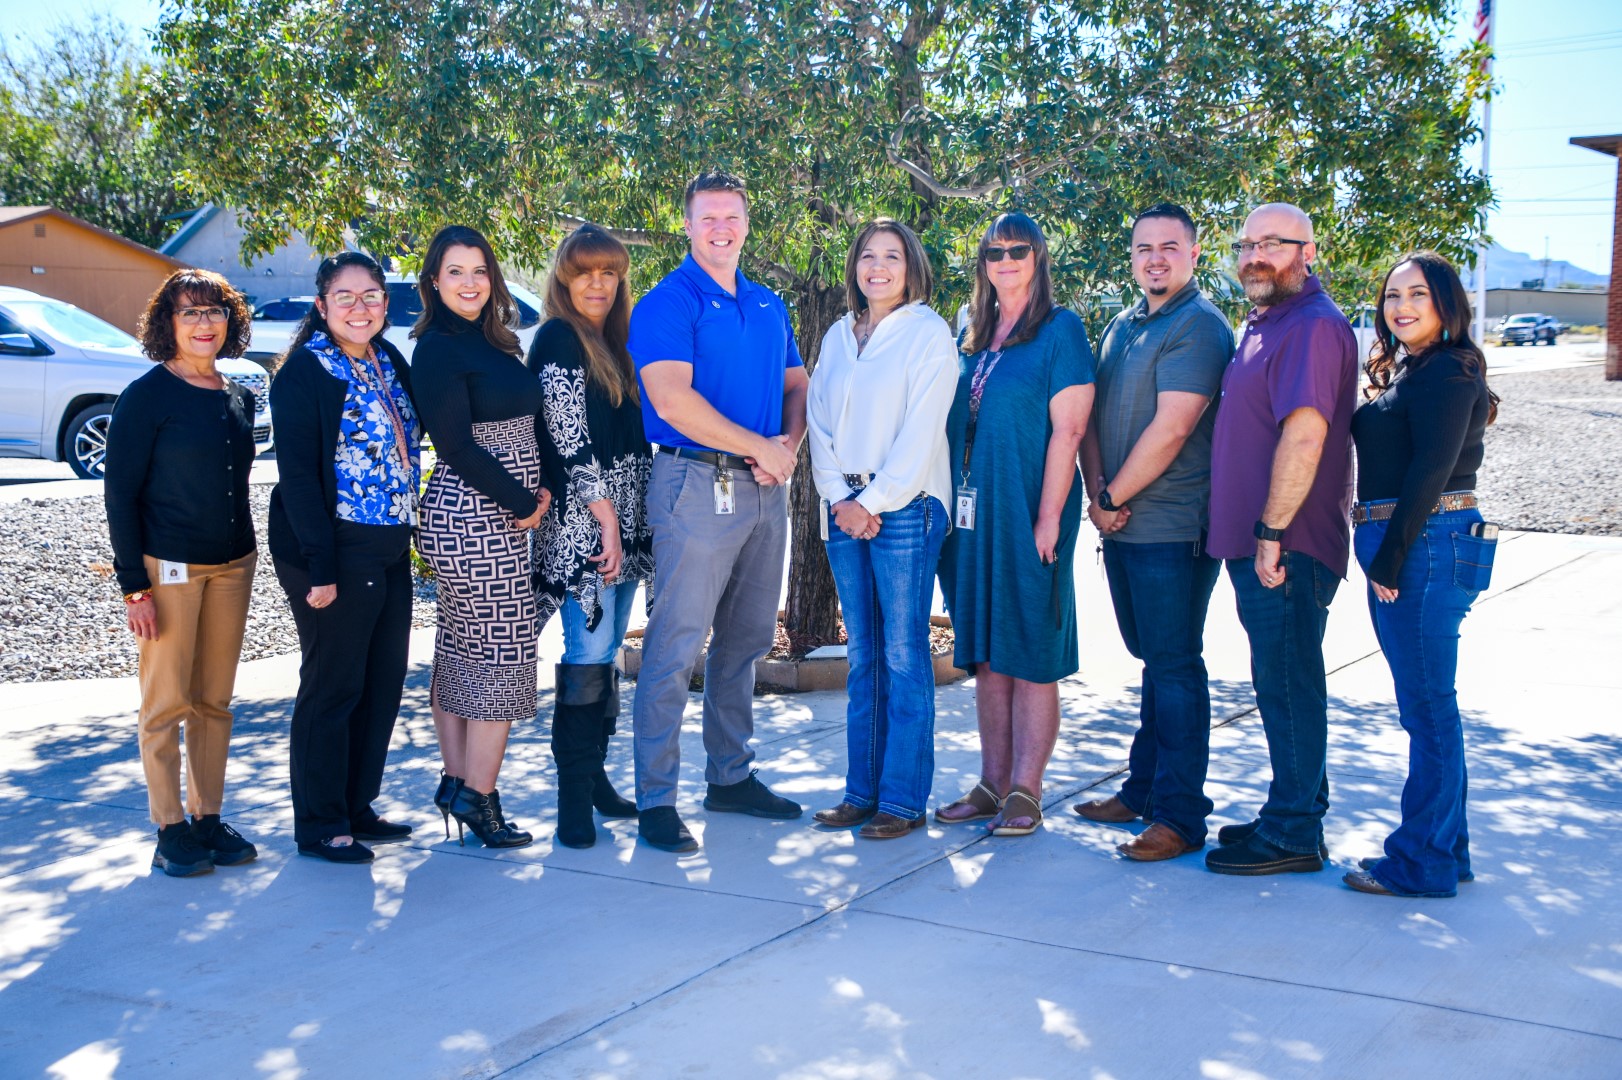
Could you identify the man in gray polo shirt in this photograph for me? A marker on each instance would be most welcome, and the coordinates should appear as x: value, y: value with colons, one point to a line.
x: 1146, y: 460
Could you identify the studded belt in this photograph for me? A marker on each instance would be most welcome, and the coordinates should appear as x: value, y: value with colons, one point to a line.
x: 1363, y: 513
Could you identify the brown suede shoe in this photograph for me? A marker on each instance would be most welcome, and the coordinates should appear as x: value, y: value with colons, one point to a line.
x: 843, y: 816
x: 1156, y: 844
x: 1110, y: 811
x: 888, y: 827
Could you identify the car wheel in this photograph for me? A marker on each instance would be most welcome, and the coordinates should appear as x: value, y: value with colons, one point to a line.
x: 85, y: 443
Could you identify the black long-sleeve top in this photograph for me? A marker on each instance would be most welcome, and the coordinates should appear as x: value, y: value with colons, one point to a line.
x: 1419, y: 438
x: 462, y: 380
x: 306, y: 406
x: 176, y: 479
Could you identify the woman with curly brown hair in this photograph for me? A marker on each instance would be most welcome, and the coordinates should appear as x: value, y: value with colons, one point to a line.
x: 178, y: 453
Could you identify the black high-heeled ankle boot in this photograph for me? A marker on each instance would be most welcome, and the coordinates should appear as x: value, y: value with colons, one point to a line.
x: 443, y: 797
x: 482, y: 814
x: 609, y: 803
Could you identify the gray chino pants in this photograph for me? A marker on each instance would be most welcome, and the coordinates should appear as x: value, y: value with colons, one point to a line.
x: 712, y: 570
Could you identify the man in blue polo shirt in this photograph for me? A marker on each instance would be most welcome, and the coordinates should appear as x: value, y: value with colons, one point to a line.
x: 723, y: 395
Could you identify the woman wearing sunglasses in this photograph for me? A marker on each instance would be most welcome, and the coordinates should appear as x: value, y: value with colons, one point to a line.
x: 341, y: 517
x: 1022, y: 403
x: 178, y: 454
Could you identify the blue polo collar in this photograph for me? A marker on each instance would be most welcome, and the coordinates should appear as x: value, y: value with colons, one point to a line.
x: 706, y: 284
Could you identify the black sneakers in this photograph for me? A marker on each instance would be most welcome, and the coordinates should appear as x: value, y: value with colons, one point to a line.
x: 1238, y: 834
x: 661, y: 827
x: 750, y: 796
x: 180, y: 853
x: 1254, y: 855
x: 227, y: 846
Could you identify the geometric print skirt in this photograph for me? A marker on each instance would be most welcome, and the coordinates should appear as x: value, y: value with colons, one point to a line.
x: 484, y: 648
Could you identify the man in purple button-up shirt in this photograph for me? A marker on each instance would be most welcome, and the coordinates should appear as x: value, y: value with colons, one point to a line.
x: 1281, y: 493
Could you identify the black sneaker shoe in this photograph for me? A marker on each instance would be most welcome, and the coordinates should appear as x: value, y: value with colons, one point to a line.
x: 661, y: 827
x: 1238, y: 834
x: 227, y: 846
x: 376, y: 830
x: 352, y: 852
x: 180, y: 853
x: 1255, y: 856
x: 750, y: 796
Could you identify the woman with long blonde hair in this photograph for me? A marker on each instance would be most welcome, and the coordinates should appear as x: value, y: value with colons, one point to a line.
x: 595, y: 546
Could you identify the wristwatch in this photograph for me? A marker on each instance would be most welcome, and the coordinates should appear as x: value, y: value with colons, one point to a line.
x: 1106, y: 503
x: 1264, y: 533
x: 137, y: 596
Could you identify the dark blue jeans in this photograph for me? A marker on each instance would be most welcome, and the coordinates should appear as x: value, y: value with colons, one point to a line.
x: 1160, y: 593
x: 1445, y: 570
x: 885, y: 587
x: 1286, y: 626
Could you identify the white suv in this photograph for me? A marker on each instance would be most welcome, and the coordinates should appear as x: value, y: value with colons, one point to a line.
x: 61, y: 369
x: 273, y: 330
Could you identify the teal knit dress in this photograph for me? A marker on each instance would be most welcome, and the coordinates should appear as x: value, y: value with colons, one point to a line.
x: 1007, y: 608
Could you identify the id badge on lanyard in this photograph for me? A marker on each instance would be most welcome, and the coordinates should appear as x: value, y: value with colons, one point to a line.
x: 724, y: 500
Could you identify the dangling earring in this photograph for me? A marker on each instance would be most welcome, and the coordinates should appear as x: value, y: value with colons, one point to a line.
x: 1444, y: 335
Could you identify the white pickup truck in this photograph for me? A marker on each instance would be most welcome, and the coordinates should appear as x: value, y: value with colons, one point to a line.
x: 275, y: 323
x: 61, y: 369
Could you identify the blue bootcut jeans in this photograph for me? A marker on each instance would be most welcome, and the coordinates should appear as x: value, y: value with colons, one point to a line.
x: 1444, y: 572
x: 885, y: 587
x: 1160, y: 593
x: 1286, y: 625
x: 602, y: 645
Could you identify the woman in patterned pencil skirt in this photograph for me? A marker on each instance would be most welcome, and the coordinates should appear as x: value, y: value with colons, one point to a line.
x: 481, y: 409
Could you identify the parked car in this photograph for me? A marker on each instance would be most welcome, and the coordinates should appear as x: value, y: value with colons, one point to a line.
x: 1529, y: 329
x: 273, y: 332
x: 61, y: 369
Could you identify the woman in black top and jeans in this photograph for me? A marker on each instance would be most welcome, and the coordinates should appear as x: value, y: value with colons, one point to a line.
x: 178, y: 455
x: 481, y: 409
x: 347, y: 444
x: 1419, y: 444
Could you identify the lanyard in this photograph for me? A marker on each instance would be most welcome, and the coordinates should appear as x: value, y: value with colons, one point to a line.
x: 366, y: 369
x: 977, y: 390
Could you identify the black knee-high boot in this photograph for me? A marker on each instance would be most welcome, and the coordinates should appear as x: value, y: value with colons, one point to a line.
x: 609, y: 803
x: 576, y: 735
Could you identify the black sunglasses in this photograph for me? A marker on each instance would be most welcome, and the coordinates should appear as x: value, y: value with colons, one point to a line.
x: 1015, y: 252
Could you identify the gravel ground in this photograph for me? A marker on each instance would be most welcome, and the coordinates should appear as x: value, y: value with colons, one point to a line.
x: 1554, y: 464
x: 61, y: 615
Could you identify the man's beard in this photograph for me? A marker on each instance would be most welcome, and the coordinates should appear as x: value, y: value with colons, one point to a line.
x: 1265, y: 286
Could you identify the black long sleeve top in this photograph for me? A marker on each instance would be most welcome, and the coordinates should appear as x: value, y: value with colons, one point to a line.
x: 1421, y: 437
x: 306, y: 406
x: 176, y: 480
x: 462, y: 380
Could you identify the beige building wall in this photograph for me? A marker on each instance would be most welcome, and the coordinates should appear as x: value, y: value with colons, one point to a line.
x: 1568, y: 305
x: 104, y: 275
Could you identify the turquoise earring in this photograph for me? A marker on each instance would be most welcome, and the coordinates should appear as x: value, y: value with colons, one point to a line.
x: 1444, y: 335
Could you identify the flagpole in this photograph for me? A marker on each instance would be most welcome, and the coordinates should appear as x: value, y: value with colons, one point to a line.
x: 1486, y: 157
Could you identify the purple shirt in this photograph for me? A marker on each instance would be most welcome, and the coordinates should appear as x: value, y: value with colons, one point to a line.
x: 1300, y: 353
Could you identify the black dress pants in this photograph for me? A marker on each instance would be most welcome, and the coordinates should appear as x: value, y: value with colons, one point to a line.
x: 350, y: 678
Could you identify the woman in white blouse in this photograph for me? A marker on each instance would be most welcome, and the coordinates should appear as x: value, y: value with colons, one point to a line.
x: 878, y: 406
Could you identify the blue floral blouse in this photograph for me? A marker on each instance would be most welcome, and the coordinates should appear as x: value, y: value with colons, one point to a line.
x: 375, y: 486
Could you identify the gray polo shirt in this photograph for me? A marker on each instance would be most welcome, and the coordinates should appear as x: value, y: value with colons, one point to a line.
x: 1184, y: 346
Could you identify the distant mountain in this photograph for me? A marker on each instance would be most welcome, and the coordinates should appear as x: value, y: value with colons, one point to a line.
x: 1507, y: 269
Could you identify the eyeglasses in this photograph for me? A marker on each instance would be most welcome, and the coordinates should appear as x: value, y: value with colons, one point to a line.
x: 191, y: 316
x: 1270, y: 246
x: 1015, y: 252
x: 347, y: 299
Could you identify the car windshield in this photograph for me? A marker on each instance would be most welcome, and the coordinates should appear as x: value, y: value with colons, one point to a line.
x: 68, y: 324
x: 1522, y: 320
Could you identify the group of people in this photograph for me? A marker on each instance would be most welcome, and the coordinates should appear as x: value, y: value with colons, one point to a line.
x: 653, y: 443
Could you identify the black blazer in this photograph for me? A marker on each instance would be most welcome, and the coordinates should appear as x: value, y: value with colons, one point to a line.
x: 306, y: 406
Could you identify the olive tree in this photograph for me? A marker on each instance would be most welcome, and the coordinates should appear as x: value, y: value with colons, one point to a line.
x: 524, y: 116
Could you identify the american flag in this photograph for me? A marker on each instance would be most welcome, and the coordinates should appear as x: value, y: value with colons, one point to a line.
x: 1483, y: 25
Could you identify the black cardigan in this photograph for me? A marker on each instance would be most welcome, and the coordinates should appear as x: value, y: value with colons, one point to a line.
x: 306, y: 407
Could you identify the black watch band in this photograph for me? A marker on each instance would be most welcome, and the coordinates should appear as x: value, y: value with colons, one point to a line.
x: 1106, y: 503
x: 1264, y: 533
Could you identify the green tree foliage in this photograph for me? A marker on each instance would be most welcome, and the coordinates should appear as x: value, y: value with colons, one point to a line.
x: 76, y: 134
x: 519, y: 116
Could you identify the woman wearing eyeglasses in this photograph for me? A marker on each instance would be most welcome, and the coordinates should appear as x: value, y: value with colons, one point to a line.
x: 178, y: 454
x: 1022, y: 403
x: 341, y: 516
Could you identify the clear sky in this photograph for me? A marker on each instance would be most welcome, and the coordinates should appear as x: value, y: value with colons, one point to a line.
x: 1559, y: 73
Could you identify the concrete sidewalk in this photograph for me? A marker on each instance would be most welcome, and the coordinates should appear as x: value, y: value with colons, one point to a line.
x: 783, y: 950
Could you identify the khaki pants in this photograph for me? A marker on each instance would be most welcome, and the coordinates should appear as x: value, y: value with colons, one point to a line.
x: 187, y: 676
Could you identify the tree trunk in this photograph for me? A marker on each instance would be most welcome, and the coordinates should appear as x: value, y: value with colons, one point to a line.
x: 813, y: 604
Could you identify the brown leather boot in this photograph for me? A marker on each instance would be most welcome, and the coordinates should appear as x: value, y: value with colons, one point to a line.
x: 1157, y: 843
